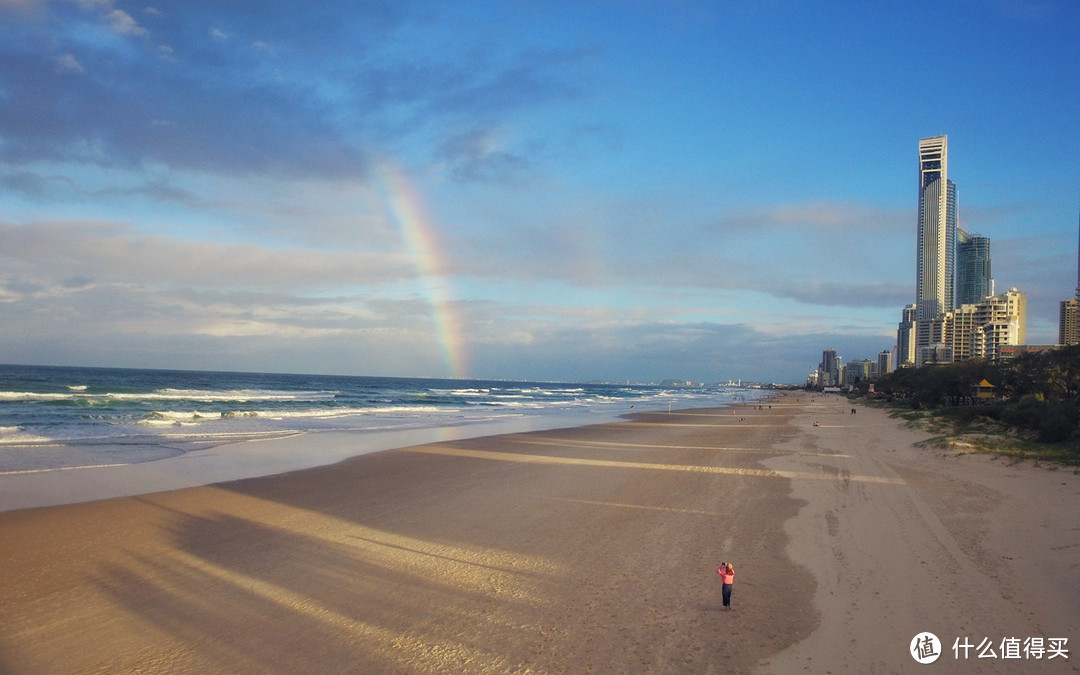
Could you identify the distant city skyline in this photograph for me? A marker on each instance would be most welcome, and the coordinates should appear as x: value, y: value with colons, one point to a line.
x: 956, y: 315
x: 533, y: 191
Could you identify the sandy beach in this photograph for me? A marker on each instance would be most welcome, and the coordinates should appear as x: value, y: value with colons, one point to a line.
x: 591, y: 549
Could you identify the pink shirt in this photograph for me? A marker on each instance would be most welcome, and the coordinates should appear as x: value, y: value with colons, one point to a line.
x: 728, y: 577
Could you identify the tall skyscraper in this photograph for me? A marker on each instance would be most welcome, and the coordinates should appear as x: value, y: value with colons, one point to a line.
x: 973, y: 280
x: 935, y: 280
x: 936, y: 255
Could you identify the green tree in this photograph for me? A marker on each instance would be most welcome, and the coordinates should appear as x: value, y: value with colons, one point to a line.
x: 1039, y: 392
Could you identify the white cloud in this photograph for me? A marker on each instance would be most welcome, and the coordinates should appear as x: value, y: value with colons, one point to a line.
x: 117, y: 253
x: 118, y: 20
x: 122, y: 23
x: 67, y: 63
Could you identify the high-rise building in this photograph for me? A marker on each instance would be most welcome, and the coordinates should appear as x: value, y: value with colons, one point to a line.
x: 1069, y: 322
x: 936, y: 246
x: 856, y: 371
x: 973, y: 280
x: 956, y: 315
x: 936, y: 347
x: 981, y: 330
x: 1069, y: 318
x: 905, y: 338
x: 829, y: 369
x: 884, y: 362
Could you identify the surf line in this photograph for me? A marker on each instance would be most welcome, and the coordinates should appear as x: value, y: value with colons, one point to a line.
x: 406, y: 208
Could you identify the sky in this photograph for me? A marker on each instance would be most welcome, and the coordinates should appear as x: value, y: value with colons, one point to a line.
x: 614, y: 190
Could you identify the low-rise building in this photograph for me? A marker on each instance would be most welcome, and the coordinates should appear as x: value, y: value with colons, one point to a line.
x: 979, y: 331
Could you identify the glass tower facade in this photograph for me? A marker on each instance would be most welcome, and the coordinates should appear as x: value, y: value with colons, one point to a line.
x: 973, y: 280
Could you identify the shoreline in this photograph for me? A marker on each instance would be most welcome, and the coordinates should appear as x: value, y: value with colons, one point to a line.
x: 563, y: 550
x: 210, y: 462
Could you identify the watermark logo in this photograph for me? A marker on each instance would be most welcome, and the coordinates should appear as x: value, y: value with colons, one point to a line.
x: 925, y: 648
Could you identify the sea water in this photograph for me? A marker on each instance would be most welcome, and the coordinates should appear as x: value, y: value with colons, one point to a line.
x: 59, y: 418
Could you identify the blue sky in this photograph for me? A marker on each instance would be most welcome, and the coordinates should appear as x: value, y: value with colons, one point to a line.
x: 621, y: 190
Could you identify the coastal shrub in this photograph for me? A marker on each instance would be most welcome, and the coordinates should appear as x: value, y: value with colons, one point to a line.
x: 1059, y: 421
x: 975, y: 418
x: 1036, y: 395
x: 963, y: 415
x: 1054, y: 421
x: 1056, y: 426
x: 1053, y: 374
x: 968, y: 414
x: 993, y: 411
x: 1027, y: 413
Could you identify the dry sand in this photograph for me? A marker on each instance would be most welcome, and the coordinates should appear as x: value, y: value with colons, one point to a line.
x: 591, y: 549
x: 904, y: 540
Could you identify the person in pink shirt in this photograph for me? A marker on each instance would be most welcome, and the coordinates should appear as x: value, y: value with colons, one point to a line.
x: 727, y: 574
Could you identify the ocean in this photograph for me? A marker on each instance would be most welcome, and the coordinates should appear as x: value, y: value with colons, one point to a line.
x: 62, y: 418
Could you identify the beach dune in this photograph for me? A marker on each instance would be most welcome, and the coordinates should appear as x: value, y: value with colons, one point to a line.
x: 592, y: 549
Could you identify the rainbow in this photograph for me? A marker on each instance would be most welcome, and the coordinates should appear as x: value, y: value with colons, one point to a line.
x: 405, y: 207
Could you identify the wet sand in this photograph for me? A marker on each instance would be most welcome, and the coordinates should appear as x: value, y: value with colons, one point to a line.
x: 592, y: 549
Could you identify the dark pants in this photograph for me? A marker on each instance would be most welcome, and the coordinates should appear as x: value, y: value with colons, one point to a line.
x: 727, y: 594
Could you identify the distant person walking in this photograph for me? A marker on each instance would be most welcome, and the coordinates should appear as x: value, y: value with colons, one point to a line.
x: 727, y: 574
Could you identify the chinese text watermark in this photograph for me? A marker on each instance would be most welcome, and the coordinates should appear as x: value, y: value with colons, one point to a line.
x: 926, y: 648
